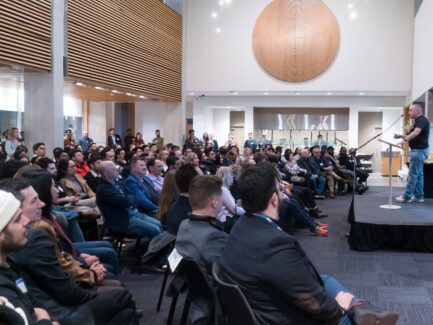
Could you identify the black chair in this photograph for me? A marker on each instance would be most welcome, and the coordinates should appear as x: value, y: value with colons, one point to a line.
x: 119, y: 240
x: 234, y: 305
x: 192, y: 280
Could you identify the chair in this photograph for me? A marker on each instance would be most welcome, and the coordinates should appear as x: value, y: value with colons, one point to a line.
x: 193, y: 280
x: 119, y: 239
x: 235, y: 306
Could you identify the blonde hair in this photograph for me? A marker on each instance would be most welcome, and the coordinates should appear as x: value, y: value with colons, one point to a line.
x: 225, y: 174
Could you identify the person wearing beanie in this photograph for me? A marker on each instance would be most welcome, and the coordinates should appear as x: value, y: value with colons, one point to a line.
x: 13, y: 228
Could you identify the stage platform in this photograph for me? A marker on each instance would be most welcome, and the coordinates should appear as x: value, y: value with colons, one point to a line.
x: 407, y: 228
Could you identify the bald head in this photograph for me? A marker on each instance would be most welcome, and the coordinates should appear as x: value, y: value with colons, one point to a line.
x: 305, y: 153
x: 108, y: 170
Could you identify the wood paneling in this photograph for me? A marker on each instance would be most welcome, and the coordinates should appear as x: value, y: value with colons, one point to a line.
x: 25, y: 34
x: 132, y: 45
x: 296, y: 40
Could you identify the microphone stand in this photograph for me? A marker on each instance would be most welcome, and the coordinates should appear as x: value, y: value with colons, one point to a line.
x: 351, y: 216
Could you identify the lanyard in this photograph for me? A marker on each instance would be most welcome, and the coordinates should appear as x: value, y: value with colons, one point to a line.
x: 265, y: 217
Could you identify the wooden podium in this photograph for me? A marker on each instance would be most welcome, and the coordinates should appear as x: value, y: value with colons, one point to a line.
x: 396, y: 161
x: 390, y: 205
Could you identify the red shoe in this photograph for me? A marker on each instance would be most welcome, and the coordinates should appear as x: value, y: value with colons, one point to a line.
x: 320, y: 232
x: 323, y: 225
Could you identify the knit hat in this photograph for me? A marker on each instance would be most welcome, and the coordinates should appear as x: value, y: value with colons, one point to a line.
x: 9, y: 205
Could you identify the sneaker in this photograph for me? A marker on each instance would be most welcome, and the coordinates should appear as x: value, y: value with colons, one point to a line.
x: 319, y: 197
x: 401, y: 199
x: 320, y: 232
x: 419, y: 200
x: 366, y: 314
x: 323, y: 225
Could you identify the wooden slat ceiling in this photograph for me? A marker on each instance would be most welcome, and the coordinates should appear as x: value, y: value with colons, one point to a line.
x: 25, y: 34
x: 132, y: 45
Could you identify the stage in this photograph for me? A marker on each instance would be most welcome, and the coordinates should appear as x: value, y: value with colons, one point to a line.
x: 408, y: 228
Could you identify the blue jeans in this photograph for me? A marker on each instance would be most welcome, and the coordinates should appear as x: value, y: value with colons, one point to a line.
x: 332, y: 288
x: 415, y: 186
x: 142, y: 225
x: 102, y: 249
x: 318, y: 184
x: 295, y: 210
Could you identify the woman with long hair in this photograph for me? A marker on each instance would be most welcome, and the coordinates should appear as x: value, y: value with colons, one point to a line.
x: 12, y: 142
x: 229, y: 207
x: 192, y: 159
x: 169, y: 195
x: 138, y: 140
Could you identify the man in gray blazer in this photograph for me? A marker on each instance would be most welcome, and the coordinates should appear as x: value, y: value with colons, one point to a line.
x: 201, y: 236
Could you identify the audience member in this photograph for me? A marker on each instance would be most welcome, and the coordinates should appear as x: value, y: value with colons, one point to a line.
x: 129, y: 139
x: 169, y: 195
x: 81, y: 166
x: 69, y: 140
x: 113, y: 139
x: 158, y: 140
x: 85, y: 142
x: 155, y: 168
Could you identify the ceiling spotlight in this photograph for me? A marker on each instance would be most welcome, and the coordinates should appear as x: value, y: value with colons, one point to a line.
x: 353, y: 15
x: 361, y: 93
x: 228, y: 1
x: 218, y: 30
x: 191, y: 94
x: 80, y: 84
x: 221, y: 2
x: 99, y: 88
x: 350, y: 6
x: 214, y: 15
x: 297, y: 93
x: 142, y: 97
x: 115, y: 91
x: 235, y: 93
x: 266, y: 94
x: 329, y: 93
x: 128, y: 94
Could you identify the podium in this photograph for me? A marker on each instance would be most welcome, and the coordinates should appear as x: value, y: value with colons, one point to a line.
x: 390, y: 205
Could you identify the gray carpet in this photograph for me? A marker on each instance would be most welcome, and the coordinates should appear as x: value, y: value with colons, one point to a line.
x: 400, y: 281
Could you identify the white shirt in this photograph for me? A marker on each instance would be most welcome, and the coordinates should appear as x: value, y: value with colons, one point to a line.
x: 229, y: 207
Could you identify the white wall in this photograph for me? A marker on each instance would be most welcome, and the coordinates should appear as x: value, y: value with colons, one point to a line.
x: 165, y: 116
x: 423, y: 50
x: 72, y: 106
x: 375, y: 50
x: 221, y: 119
x: 98, y: 122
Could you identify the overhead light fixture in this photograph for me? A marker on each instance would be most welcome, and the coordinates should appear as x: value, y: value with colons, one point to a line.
x: 329, y: 93
x: 221, y: 2
x: 235, y: 93
x: 361, y: 93
x: 142, y: 97
x: 266, y: 94
x: 115, y: 91
x: 228, y: 1
x: 80, y: 84
x: 353, y: 15
x: 99, y: 88
x: 214, y: 15
x: 128, y: 94
x: 191, y: 94
x: 350, y: 6
x: 297, y: 93
x: 218, y: 30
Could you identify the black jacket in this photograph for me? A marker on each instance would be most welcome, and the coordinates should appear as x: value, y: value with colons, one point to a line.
x: 114, y: 206
x: 48, y: 284
x: 110, y: 142
x: 177, y: 213
x: 276, y: 276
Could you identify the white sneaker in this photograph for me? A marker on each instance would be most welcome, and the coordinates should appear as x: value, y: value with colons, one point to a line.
x: 419, y: 200
x: 401, y: 199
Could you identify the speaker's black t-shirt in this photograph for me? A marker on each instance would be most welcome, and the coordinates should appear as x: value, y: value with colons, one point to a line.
x: 421, y: 140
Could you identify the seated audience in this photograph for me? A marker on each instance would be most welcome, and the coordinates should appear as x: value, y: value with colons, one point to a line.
x: 81, y: 166
x: 155, y: 168
x: 93, y: 177
x: 274, y: 273
x: 181, y: 207
x: 121, y: 216
x: 229, y: 208
x: 192, y: 159
x: 169, y: 195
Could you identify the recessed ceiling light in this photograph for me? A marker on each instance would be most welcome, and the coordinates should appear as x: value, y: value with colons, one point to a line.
x: 115, y: 91
x: 228, y: 1
x: 221, y: 2
x: 329, y: 93
x: 128, y: 94
x: 218, y: 30
x: 266, y: 94
x: 80, y: 84
x: 361, y: 93
x: 297, y: 93
x: 143, y: 97
x: 191, y: 94
x: 350, y: 6
x: 214, y: 15
x: 353, y: 15
x: 99, y: 88
x: 235, y: 93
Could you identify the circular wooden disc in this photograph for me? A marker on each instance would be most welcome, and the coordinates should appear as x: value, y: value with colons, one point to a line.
x: 296, y: 40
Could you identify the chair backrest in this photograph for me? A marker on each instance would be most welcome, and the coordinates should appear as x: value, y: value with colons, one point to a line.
x: 235, y: 306
x: 200, y: 290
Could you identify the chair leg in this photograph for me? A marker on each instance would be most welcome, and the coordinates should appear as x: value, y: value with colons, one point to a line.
x: 119, y: 246
x: 185, y: 311
x: 161, y: 293
x: 138, y: 252
x: 172, y: 309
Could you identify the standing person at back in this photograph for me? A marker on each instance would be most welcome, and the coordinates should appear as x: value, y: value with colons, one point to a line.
x: 158, y: 139
x: 419, y: 150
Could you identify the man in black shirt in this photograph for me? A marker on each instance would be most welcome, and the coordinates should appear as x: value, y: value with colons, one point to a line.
x: 419, y: 150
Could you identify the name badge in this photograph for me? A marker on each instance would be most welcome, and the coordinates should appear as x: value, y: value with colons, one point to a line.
x: 174, y: 259
x: 21, y: 285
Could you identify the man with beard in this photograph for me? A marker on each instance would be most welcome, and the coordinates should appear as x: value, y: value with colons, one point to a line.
x: 274, y: 273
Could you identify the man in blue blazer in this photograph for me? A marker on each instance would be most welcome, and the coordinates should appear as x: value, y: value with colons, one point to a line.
x: 136, y: 188
x: 121, y: 216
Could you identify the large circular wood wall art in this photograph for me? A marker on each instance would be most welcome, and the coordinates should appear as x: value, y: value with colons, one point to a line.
x: 296, y: 40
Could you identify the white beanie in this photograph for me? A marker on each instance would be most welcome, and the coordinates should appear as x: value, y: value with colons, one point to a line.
x: 9, y: 205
